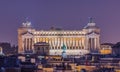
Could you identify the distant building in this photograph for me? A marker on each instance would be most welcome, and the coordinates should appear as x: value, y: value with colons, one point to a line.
x: 77, y: 42
x: 116, y: 49
x: 106, y: 48
x: 1, y: 51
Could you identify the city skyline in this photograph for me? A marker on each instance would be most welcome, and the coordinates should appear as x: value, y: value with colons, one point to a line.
x: 68, y: 15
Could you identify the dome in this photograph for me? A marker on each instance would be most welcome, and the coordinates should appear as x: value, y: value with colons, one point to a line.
x: 91, y: 24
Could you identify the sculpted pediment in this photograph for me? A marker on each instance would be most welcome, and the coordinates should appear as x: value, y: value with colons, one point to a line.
x: 27, y: 34
x: 93, y: 34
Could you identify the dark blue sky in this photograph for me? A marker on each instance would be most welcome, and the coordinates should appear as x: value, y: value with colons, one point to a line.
x: 66, y: 14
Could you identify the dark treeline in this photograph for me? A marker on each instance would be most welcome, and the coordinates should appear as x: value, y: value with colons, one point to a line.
x: 8, y: 49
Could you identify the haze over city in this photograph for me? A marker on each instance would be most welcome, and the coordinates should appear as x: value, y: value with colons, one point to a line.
x: 59, y: 36
x: 65, y: 14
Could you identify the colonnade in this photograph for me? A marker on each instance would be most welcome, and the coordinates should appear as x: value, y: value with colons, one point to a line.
x: 28, y: 44
x: 93, y: 43
x: 57, y: 42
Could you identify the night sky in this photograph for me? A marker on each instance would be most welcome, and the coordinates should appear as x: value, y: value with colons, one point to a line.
x: 65, y: 14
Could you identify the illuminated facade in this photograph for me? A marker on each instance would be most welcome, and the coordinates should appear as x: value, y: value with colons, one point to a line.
x: 77, y: 42
x: 1, y: 51
x: 106, y: 48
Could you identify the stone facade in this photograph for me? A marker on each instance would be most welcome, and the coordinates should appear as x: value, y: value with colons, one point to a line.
x: 77, y: 42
